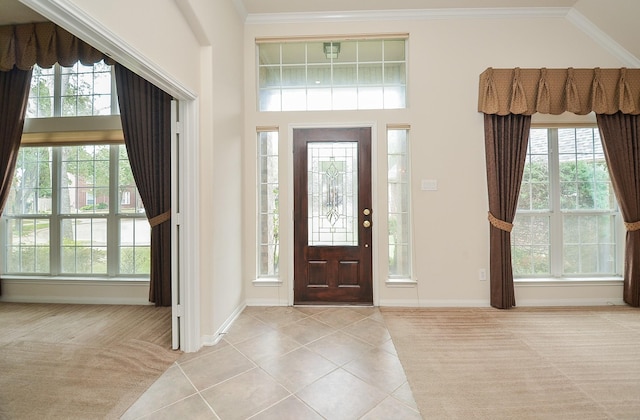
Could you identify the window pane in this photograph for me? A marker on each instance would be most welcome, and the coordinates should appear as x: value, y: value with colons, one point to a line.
x: 85, y: 179
x: 41, y: 93
x: 269, y: 212
x: 531, y: 246
x: 589, y: 244
x: 135, y: 246
x: 398, y: 204
x: 84, y: 246
x: 129, y: 198
x: 31, y: 185
x: 28, y: 246
x: 584, y: 177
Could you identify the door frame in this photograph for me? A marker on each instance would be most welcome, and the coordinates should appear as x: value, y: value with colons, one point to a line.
x: 374, y: 201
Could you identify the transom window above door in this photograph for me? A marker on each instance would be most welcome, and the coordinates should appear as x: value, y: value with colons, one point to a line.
x: 333, y: 74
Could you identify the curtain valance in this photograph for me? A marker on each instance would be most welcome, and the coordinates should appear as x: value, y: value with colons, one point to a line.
x: 43, y: 43
x: 554, y: 91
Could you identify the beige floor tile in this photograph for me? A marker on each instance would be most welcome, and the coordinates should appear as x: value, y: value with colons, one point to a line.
x: 279, y: 316
x: 171, y: 387
x: 216, y: 367
x: 378, y: 368
x: 270, y: 353
x: 245, y: 327
x: 271, y: 344
x: 244, y: 395
x: 339, y: 347
x: 369, y: 330
x: 297, y: 369
x: 339, y: 317
x: 289, y: 409
x: 307, y: 330
x: 203, y: 351
x: 192, y: 408
x: 340, y: 395
x: 391, y: 408
x: 404, y: 394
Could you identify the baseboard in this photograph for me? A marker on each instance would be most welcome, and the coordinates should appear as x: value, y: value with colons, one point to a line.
x: 76, y: 301
x: 570, y: 302
x: 92, y: 292
x: 212, y: 340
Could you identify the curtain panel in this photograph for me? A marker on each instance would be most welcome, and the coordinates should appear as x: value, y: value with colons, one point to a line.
x: 43, y: 44
x: 554, y: 91
x: 145, y: 112
x: 621, y: 142
x: 14, y: 96
x: 506, y: 139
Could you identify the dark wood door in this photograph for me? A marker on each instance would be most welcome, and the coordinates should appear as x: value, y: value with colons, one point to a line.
x: 332, y: 216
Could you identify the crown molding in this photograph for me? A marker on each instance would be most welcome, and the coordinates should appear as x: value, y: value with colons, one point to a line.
x: 602, y: 39
x: 406, y: 14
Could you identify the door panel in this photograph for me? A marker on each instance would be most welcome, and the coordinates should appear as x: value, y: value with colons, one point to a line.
x: 332, y: 216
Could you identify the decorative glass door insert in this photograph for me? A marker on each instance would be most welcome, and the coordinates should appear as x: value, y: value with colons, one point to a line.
x: 333, y: 193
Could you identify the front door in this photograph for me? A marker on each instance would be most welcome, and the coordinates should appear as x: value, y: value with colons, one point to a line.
x: 332, y: 216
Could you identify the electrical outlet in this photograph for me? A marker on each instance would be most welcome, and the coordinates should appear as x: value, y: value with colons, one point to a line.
x: 482, y: 274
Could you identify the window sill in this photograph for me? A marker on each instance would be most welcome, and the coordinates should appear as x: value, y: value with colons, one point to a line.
x: 71, y: 280
x: 401, y: 283
x: 267, y: 282
x: 568, y: 281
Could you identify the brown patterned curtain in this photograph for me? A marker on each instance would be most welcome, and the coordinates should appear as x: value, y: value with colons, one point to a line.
x: 621, y: 142
x: 14, y: 96
x: 554, y: 91
x: 506, y: 139
x: 145, y: 112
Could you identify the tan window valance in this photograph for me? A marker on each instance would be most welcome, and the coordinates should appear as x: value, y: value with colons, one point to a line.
x: 43, y: 43
x: 554, y: 91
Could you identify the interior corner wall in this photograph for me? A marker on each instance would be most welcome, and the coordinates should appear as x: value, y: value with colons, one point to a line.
x: 450, y: 228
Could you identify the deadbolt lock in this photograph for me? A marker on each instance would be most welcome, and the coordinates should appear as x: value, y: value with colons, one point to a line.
x: 366, y: 212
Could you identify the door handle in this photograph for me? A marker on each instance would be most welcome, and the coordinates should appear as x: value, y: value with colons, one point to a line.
x: 366, y: 212
x: 366, y: 223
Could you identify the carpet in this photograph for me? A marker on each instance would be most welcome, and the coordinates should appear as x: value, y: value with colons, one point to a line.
x: 79, y: 361
x: 524, y: 363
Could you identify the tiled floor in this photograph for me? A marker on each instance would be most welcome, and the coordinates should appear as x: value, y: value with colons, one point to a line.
x: 288, y: 363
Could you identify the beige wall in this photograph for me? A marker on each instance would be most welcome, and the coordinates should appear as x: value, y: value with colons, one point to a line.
x: 446, y: 57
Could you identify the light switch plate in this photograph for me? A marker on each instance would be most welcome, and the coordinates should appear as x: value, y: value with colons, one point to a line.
x: 429, y: 185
